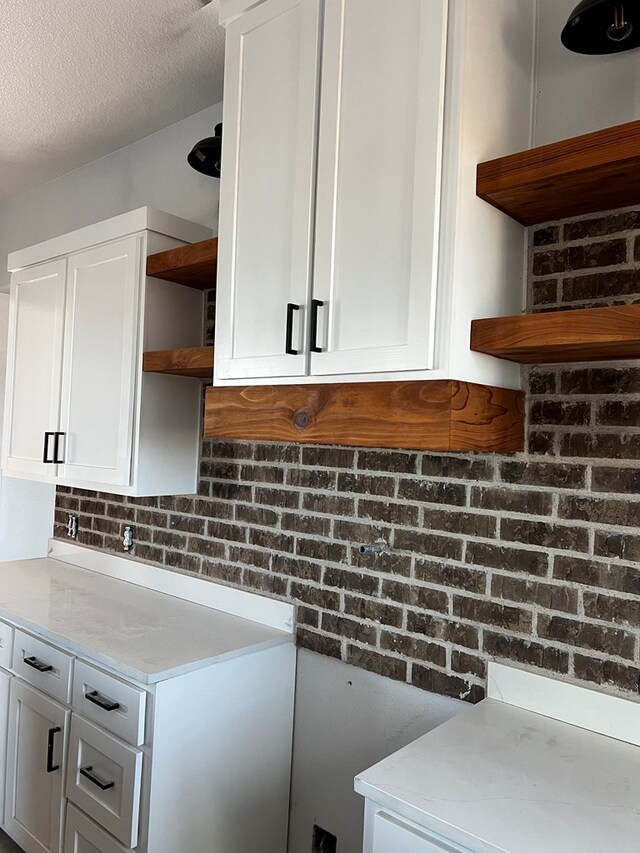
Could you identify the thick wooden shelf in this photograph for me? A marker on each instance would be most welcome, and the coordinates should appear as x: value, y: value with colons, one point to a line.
x: 194, y: 361
x: 436, y: 415
x: 587, y: 174
x: 589, y: 334
x: 194, y: 265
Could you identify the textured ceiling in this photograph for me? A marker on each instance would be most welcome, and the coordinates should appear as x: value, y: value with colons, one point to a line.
x: 81, y: 78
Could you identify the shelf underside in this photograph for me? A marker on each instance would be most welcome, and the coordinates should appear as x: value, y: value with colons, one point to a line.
x: 435, y: 415
x: 589, y: 334
x: 194, y: 265
x: 587, y: 174
x: 196, y: 362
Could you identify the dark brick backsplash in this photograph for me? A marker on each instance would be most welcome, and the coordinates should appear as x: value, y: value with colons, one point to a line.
x: 532, y: 558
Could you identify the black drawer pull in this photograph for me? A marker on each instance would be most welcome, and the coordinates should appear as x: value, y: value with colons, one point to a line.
x: 34, y: 663
x: 288, y: 345
x: 50, y: 746
x: 315, y: 305
x: 88, y: 773
x: 101, y: 701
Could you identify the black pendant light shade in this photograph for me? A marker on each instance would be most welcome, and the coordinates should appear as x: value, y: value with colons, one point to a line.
x: 599, y: 27
x: 206, y: 154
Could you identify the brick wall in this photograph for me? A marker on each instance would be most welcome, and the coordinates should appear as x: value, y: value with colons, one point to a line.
x: 531, y: 557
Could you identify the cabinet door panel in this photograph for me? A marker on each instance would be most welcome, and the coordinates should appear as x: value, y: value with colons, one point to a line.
x: 379, y: 181
x: 33, y: 796
x: 34, y: 368
x: 100, y: 352
x: 267, y: 188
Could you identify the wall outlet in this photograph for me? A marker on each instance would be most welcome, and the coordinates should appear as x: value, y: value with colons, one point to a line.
x: 323, y: 841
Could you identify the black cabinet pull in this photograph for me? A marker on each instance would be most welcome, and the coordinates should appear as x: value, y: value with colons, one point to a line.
x: 88, y: 773
x: 316, y: 304
x: 50, y: 746
x: 45, y: 452
x: 34, y: 663
x: 56, y: 448
x: 101, y: 701
x: 288, y: 346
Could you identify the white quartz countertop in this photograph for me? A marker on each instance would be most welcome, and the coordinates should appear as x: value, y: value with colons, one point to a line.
x: 143, y: 634
x: 499, y: 778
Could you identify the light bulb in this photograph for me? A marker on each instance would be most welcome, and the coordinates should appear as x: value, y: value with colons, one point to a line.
x: 620, y: 29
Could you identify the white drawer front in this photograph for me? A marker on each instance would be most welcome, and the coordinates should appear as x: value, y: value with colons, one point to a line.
x: 392, y: 836
x: 103, y: 779
x: 6, y: 645
x: 42, y: 665
x: 84, y: 836
x: 114, y: 704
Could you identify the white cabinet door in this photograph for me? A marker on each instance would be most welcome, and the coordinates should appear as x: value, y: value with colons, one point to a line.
x: 267, y: 190
x: 392, y: 836
x: 34, y: 368
x: 100, y: 359
x: 5, y: 684
x: 379, y: 182
x: 36, y: 748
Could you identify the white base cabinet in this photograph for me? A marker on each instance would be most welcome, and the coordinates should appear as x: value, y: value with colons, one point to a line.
x: 198, y: 760
x: 79, y: 409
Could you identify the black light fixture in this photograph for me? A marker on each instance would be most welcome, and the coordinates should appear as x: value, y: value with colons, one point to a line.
x: 599, y: 27
x: 205, y: 155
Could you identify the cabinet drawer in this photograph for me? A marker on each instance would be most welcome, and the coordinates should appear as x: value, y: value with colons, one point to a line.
x: 84, y: 836
x: 43, y: 665
x: 114, y: 704
x: 390, y: 835
x: 6, y: 645
x: 103, y: 779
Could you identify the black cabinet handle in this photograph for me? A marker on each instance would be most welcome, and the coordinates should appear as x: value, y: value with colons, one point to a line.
x: 88, y: 773
x: 316, y: 304
x: 101, y: 701
x: 288, y: 346
x: 34, y: 663
x: 45, y: 452
x: 56, y: 448
x: 50, y: 745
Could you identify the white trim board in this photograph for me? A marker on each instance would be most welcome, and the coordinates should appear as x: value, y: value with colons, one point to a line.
x: 142, y: 219
x: 236, y: 602
x: 569, y: 703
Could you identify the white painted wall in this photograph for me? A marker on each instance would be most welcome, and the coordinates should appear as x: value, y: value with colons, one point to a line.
x: 347, y: 720
x: 578, y: 94
x: 152, y: 171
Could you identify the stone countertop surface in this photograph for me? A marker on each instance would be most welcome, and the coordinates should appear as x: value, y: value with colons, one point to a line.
x: 142, y: 634
x: 499, y: 779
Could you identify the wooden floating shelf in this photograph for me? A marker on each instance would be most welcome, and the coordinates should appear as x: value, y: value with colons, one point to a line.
x: 587, y: 174
x: 435, y: 415
x: 589, y: 334
x: 194, y: 361
x: 194, y: 265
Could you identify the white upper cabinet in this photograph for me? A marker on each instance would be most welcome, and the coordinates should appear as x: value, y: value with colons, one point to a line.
x: 34, y: 368
x: 348, y: 192
x: 379, y: 175
x: 267, y: 194
x: 80, y: 411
